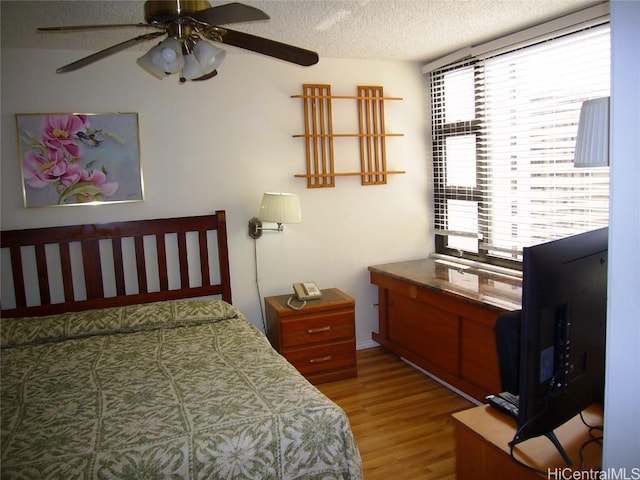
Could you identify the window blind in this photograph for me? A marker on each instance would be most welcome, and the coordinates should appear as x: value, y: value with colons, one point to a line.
x: 503, y: 130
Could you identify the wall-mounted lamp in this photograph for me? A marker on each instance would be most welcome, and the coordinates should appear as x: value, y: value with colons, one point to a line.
x: 278, y: 208
x: 592, y: 140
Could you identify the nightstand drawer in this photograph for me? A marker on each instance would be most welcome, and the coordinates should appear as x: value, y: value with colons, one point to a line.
x: 311, y: 329
x: 334, y: 356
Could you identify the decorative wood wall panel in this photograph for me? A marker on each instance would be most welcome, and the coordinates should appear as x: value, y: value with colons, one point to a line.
x: 319, y: 135
x: 373, y: 155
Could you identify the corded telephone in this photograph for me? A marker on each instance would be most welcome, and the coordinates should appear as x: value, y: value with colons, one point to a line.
x: 306, y: 291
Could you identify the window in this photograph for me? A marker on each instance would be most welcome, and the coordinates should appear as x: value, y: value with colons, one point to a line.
x: 504, y: 131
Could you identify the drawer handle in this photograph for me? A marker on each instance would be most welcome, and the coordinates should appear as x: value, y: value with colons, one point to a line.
x: 319, y: 330
x: 321, y: 359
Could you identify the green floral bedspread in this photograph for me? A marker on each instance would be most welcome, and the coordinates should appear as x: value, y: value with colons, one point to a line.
x: 183, y: 389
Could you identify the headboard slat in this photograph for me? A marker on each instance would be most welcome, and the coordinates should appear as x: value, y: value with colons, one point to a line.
x: 93, y: 265
x: 182, y: 258
x: 162, y: 263
x: 204, y: 257
x: 92, y: 269
x: 140, y: 264
x: 18, y: 276
x: 118, y: 266
x: 67, y: 273
x: 43, y: 275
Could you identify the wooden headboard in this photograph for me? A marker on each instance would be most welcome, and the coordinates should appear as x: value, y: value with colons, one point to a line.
x: 102, y: 251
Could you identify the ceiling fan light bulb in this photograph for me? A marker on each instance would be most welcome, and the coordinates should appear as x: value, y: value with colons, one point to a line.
x: 168, y: 55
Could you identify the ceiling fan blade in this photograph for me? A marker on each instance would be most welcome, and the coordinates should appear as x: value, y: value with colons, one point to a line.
x: 271, y: 48
x: 83, y: 62
x: 229, y: 13
x: 78, y: 28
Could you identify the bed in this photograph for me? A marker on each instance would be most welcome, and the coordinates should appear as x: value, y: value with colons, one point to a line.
x: 162, y: 377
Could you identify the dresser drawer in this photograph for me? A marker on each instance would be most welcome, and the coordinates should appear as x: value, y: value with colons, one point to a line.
x: 339, y: 355
x: 311, y: 329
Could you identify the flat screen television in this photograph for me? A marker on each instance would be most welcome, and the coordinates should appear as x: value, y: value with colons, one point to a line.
x: 562, y: 332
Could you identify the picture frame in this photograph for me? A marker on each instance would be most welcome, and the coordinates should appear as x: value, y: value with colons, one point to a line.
x: 71, y: 159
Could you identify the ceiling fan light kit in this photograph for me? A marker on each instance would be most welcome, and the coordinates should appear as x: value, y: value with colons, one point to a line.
x: 189, y: 26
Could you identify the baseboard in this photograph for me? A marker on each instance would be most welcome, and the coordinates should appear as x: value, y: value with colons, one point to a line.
x: 442, y: 382
x: 366, y: 344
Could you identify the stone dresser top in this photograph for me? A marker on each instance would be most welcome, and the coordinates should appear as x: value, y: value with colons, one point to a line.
x: 490, y: 288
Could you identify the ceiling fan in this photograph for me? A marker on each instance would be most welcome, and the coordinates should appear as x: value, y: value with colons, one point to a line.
x: 188, y: 24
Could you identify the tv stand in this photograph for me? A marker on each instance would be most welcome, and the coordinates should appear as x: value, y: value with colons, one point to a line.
x: 483, y: 435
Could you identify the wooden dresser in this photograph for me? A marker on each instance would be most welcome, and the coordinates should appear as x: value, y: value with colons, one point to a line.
x: 441, y: 317
x: 319, y: 340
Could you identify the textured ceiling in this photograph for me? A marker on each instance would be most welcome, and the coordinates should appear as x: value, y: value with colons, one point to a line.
x: 412, y: 30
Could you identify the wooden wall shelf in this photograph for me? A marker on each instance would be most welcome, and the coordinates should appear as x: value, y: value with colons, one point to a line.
x: 348, y: 97
x: 319, y: 135
x: 347, y: 174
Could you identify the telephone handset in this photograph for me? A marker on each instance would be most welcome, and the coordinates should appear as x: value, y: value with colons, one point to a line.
x: 307, y: 291
x: 304, y: 291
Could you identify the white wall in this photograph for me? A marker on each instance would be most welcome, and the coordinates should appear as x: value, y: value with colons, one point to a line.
x: 219, y: 144
x: 622, y: 423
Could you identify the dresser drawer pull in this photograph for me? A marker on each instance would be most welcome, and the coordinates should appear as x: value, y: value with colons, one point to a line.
x: 321, y: 359
x: 319, y: 330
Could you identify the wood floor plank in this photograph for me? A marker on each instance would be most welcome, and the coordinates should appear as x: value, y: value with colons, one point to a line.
x: 400, y: 417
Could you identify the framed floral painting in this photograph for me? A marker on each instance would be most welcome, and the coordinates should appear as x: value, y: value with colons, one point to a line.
x: 79, y: 158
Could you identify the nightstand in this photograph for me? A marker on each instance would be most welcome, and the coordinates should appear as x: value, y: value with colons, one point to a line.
x: 318, y: 340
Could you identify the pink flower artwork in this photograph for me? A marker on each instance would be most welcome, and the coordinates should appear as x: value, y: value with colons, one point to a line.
x: 74, y: 159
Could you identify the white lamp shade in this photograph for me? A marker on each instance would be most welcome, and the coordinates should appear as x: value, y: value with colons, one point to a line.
x: 592, y: 140
x: 146, y: 62
x: 280, y: 208
x: 192, y: 68
x: 210, y: 57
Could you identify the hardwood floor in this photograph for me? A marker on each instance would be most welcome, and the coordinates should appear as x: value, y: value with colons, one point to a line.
x: 400, y: 417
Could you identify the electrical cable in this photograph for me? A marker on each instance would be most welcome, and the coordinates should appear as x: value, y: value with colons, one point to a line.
x: 255, y: 258
x: 580, y: 413
x: 513, y: 443
x: 591, y: 428
x: 296, y: 307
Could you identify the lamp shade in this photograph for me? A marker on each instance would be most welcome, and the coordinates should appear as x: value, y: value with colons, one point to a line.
x: 192, y: 68
x: 146, y: 62
x: 208, y: 56
x: 280, y: 208
x: 592, y: 140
